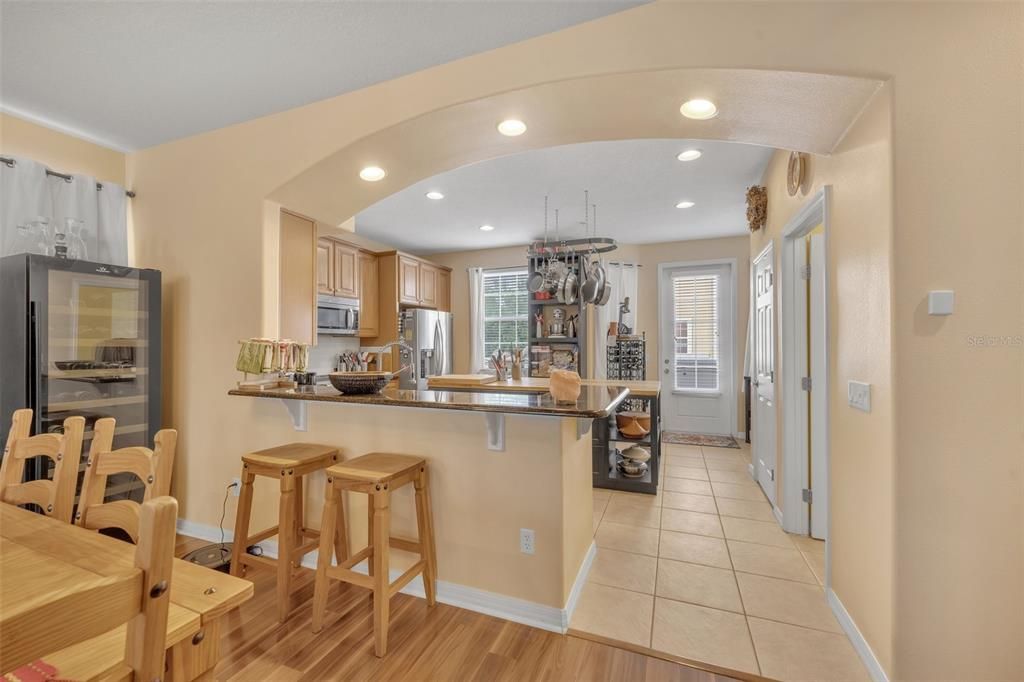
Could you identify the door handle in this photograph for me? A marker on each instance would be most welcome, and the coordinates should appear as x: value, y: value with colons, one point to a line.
x: 666, y: 371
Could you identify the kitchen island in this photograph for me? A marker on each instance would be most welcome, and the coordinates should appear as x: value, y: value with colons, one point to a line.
x: 501, y: 464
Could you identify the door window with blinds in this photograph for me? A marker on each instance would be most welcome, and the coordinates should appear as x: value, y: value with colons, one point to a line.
x: 695, y: 323
x: 506, y: 311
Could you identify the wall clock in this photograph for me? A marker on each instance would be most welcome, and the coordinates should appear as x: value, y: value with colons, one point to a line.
x: 795, y: 173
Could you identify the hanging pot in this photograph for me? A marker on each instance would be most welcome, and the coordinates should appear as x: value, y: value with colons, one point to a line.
x: 536, y: 281
x: 568, y: 291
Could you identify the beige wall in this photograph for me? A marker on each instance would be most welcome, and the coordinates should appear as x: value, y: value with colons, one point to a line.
x: 958, y: 601
x: 862, y: 445
x: 58, y: 151
x: 649, y: 256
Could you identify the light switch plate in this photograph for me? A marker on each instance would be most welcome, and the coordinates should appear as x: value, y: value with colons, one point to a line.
x: 940, y: 302
x: 858, y: 394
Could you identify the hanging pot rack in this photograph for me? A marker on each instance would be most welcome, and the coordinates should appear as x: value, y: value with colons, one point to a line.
x: 582, y: 246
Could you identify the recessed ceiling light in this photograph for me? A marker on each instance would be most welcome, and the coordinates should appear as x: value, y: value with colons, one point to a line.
x: 700, y: 109
x: 435, y: 195
x: 511, y: 127
x: 487, y: 228
x: 685, y: 204
x: 372, y: 173
x: 689, y: 155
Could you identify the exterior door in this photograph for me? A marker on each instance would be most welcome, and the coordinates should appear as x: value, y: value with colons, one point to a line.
x: 764, y: 371
x: 697, y: 306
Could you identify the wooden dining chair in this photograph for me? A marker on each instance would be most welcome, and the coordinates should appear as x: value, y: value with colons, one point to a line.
x: 138, y: 596
x: 153, y: 467
x: 56, y: 496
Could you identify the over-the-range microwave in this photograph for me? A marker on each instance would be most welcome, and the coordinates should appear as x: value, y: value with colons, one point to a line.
x: 336, y: 315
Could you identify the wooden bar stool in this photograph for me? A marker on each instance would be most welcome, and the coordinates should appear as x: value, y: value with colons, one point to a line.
x: 287, y: 463
x: 377, y: 474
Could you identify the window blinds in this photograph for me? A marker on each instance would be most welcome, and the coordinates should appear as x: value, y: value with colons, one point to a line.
x: 506, y: 311
x: 695, y: 325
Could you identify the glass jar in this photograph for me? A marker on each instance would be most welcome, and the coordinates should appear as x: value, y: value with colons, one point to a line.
x: 60, y: 239
x: 76, y: 245
x: 41, y: 240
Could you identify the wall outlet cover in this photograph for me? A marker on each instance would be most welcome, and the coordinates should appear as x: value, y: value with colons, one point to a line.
x: 527, y: 541
x: 858, y: 395
x: 236, y: 487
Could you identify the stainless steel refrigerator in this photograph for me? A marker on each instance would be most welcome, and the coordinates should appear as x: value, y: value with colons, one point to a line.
x: 80, y: 338
x: 428, y: 333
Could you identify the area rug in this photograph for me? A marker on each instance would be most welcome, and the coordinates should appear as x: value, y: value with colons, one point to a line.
x: 680, y: 438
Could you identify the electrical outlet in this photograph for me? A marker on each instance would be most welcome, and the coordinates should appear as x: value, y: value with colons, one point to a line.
x: 527, y: 540
x: 236, y: 487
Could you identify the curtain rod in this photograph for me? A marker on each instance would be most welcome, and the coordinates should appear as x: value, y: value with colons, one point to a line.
x: 10, y: 163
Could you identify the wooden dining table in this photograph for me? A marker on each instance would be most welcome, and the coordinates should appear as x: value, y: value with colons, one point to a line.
x: 44, y: 560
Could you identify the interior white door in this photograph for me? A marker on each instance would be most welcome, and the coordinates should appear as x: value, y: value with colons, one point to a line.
x: 817, y: 325
x: 697, y: 314
x: 763, y: 442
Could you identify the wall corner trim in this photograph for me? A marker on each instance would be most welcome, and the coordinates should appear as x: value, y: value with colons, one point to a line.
x: 860, y: 645
x: 541, y: 616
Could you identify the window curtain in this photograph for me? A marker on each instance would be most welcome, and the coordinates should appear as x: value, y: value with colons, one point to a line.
x: 623, y: 278
x: 476, y: 316
x: 27, y: 194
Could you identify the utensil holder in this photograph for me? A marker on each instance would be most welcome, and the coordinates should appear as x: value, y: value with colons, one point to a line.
x: 517, y: 372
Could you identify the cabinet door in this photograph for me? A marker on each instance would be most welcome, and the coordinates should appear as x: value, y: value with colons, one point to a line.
x: 369, y: 296
x: 346, y: 270
x: 408, y: 281
x: 428, y: 285
x: 325, y: 266
x: 444, y: 290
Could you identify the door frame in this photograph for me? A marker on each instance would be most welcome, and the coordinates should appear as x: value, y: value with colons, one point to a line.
x: 731, y: 262
x: 793, y: 348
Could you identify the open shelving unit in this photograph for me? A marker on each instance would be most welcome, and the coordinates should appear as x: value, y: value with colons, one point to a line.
x: 576, y: 344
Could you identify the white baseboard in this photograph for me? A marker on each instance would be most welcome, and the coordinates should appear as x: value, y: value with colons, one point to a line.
x: 577, y: 586
x: 860, y: 644
x: 778, y: 517
x: 516, y: 610
x: 741, y: 436
x: 750, y: 470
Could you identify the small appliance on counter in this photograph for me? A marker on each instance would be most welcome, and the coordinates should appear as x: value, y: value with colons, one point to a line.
x: 428, y: 335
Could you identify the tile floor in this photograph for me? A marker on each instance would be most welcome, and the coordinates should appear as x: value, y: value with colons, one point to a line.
x: 703, y: 571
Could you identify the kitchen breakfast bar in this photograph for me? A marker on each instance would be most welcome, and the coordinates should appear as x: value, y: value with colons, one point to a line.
x: 503, y: 465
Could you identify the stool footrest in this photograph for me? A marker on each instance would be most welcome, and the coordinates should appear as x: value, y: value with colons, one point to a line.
x: 304, y: 549
x: 352, y: 577
x: 364, y: 553
x: 261, y: 536
x: 405, y: 545
x: 254, y: 560
x: 406, y: 577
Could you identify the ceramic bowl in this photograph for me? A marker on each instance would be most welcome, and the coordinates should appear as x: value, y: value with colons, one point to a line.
x: 635, y: 453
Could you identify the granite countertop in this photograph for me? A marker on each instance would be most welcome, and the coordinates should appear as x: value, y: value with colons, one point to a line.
x: 594, y: 401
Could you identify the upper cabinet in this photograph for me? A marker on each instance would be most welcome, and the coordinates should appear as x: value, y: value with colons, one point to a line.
x: 325, y: 266
x: 298, y: 287
x: 346, y: 270
x: 444, y: 290
x: 369, y: 295
x: 408, y: 281
x: 428, y: 285
x: 337, y: 270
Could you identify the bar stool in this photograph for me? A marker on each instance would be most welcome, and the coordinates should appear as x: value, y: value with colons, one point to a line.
x: 289, y: 464
x: 377, y: 474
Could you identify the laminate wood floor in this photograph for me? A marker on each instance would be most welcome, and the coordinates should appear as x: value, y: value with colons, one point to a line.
x: 442, y: 643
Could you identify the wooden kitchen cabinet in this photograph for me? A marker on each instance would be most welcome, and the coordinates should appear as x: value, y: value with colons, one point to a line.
x: 428, y: 285
x: 369, y: 295
x: 298, y: 286
x: 325, y: 266
x: 444, y: 290
x: 408, y: 281
x: 346, y: 270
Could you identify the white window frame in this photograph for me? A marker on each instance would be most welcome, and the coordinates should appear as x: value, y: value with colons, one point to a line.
x: 719, y: 367
x: 484, y: 319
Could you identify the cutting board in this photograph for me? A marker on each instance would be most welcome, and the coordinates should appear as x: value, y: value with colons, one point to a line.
x: 464, y: 379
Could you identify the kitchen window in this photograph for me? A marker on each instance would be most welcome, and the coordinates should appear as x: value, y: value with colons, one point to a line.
x: 695, y: 325
x: 505, y: 311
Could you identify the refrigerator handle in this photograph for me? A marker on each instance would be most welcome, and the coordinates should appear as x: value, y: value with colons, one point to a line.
x: 438, y: 348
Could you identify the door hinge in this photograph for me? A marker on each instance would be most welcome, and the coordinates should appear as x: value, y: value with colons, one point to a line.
x: 805, y: 271
x: 805, y: 383
x: 807, y: 495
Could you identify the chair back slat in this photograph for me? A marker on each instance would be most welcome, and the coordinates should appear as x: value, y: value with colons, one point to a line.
x: 55, y: 497
x: 152, y: 467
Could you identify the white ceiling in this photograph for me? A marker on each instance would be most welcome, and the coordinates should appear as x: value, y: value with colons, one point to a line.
x: 136, y: 74
x: 636, y: 185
